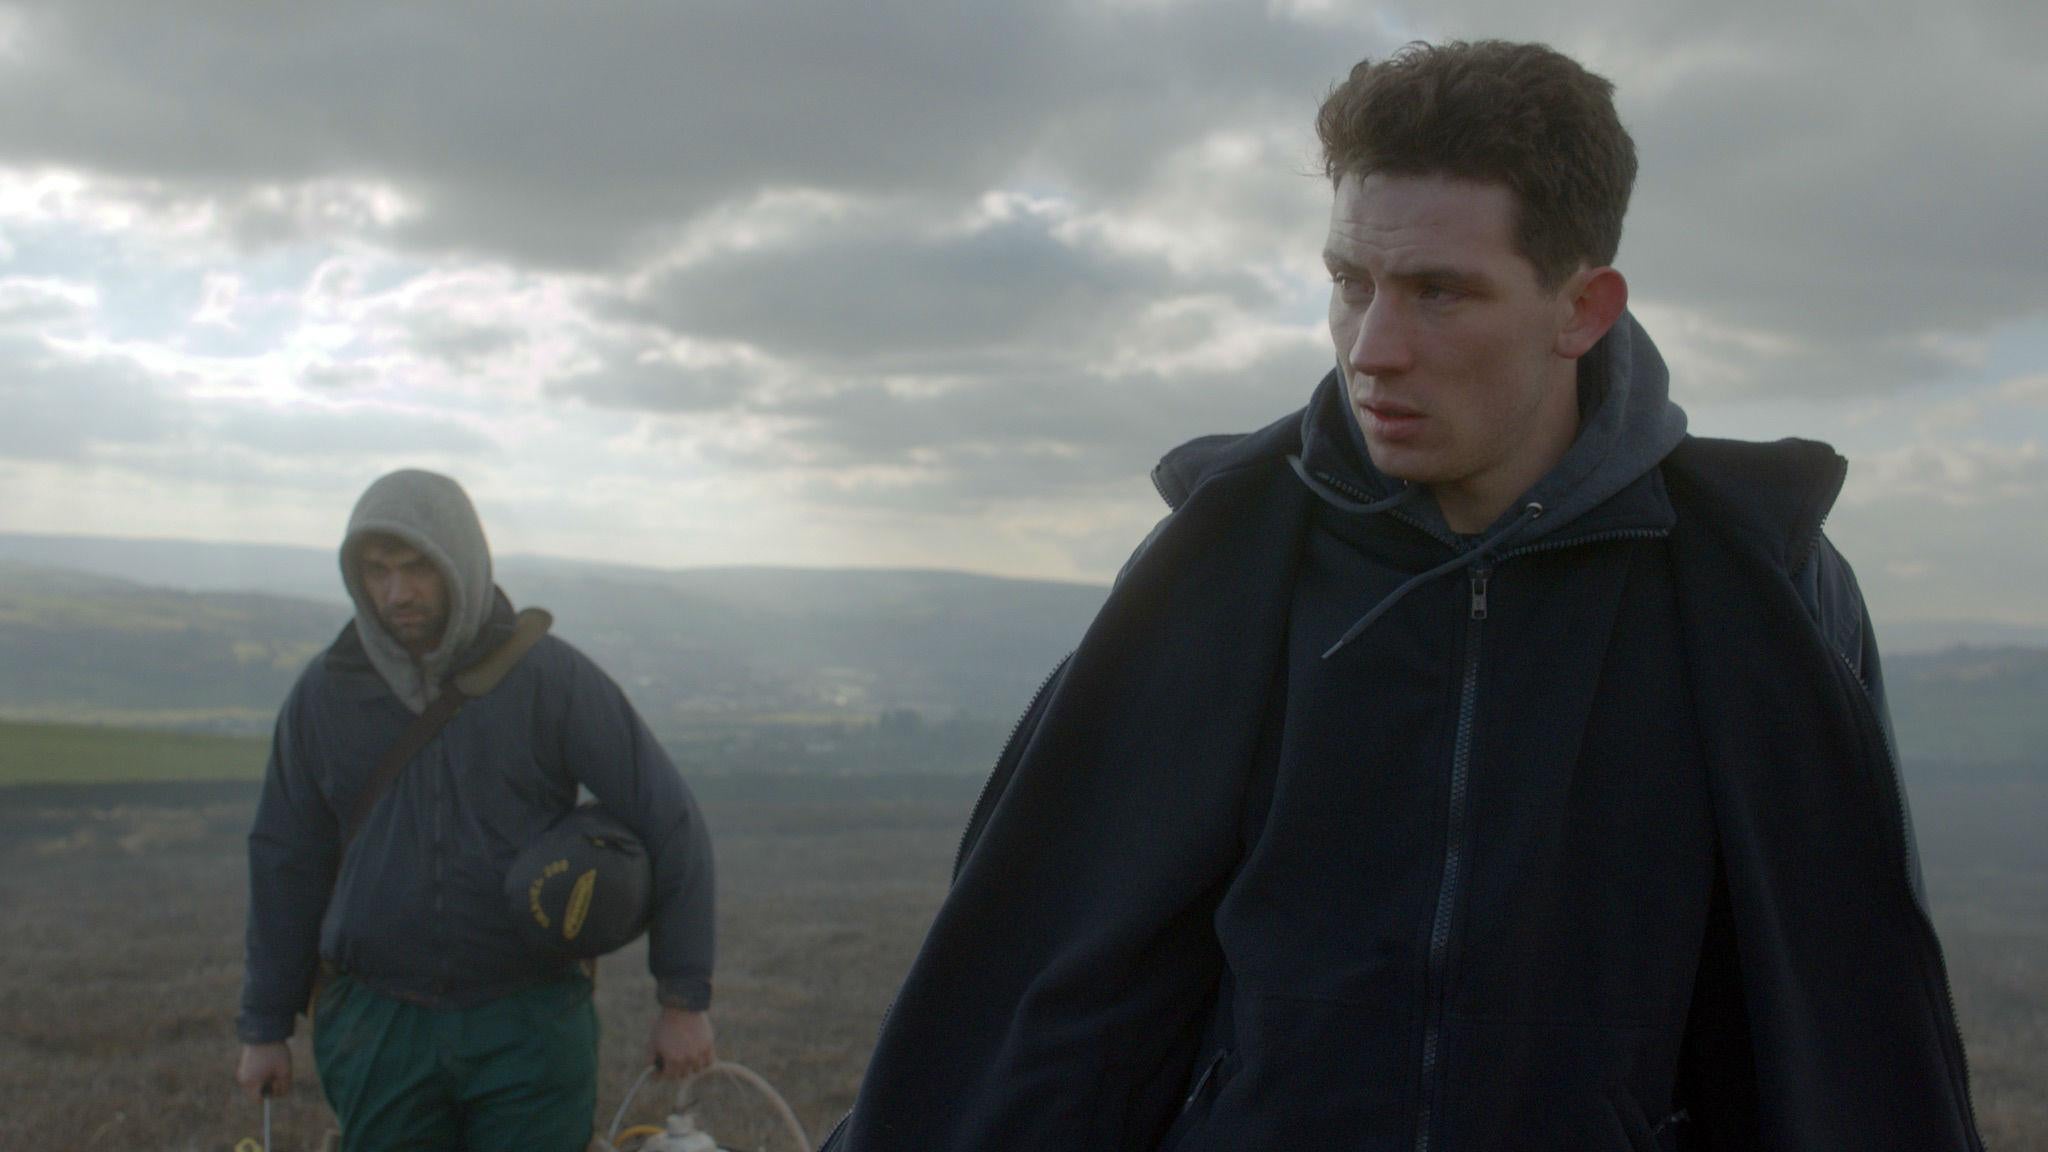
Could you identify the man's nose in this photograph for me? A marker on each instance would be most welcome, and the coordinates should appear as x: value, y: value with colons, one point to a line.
x: 1381, y: 346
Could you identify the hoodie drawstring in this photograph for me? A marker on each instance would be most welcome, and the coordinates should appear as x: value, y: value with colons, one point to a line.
x: 1492, y: 544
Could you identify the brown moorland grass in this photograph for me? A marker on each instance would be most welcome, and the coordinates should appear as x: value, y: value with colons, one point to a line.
x: 122, y: 907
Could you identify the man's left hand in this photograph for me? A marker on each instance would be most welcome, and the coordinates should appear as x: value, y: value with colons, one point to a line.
x: 681, y: 1044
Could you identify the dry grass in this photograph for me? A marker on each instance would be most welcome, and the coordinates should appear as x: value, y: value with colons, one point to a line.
x: 122, y: 915
x: 122, y: 909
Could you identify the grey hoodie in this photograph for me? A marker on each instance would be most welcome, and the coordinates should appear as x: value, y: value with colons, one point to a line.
x: 1627, y: 426
x: 430, y: 512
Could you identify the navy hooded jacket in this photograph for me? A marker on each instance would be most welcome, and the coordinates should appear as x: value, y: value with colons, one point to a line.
x: 415, y: 907
x: 1591, y: 838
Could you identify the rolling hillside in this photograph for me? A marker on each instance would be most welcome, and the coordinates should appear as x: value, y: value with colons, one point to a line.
x: 707, y: 650
x: 692, y: 648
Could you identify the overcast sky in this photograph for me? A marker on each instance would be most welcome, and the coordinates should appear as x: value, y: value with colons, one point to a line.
x: 934, y: 284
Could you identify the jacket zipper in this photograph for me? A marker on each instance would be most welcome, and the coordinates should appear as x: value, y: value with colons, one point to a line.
x: 1202, y: 1083
x: 1161, y: 489
x: 1437, y: 979
x: 1454, y: 864
x: 1594, y: 538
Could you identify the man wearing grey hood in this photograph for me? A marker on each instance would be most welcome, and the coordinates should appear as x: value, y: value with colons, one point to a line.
x: 1472, y: 760
x: 438, y: 1025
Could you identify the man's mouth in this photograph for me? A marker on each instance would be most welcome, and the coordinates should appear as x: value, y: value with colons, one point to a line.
x: 1391, y: 420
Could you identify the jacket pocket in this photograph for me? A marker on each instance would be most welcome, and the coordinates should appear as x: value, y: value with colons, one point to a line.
x: 1543, y: 1086
x: 1303, y: 1072
x: 1643, y: 1135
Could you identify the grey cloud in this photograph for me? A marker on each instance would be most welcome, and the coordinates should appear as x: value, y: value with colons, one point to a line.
x: 888, y: 297
x: 459, y: 343
x: 60, y: 408
x: 66, y: 408
x: 301, y: 433
x: 29, y: 304
x: 548, y: 132
x: 1019, y: 437
x: 342, y: 377
x: 981, y: 359
x: 921, y: 370
x: 1734, y: 359
x: 1850, y: 182
x: 1127, y: 419
x: 1847, y: 209
x: 660, y: 386
x: 1919, y: 556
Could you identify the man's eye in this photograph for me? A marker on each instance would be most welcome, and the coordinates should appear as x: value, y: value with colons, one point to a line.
x: 1438, y: 293
x: 1353, y: 287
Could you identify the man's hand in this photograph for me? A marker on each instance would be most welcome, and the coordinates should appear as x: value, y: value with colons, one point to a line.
x: 681, y: 1044
x: 265, y: 1070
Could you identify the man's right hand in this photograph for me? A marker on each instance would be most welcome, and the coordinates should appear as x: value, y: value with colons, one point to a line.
x: 265, y: 1070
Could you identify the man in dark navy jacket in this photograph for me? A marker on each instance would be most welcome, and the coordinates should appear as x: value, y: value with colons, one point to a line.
x: 438, y: 1025
x: 1471, y: 760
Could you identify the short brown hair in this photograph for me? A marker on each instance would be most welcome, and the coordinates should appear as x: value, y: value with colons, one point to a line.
x: 1521, y: 115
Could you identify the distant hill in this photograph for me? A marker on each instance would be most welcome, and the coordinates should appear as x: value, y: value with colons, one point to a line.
x: 707, y: 650
x: 692, y: 648
x: 310, y: 574
x: 79, y: 646
x: 694, y: 641
x: 789, y: 640
x: 189, y: 565
x: 1971, y: 705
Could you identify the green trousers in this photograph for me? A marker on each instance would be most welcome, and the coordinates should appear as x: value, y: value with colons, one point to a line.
x: 518, y: 1073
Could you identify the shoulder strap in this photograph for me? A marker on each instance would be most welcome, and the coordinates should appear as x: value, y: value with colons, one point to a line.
x: 472, y: 682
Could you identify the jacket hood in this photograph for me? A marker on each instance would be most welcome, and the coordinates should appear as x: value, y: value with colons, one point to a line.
x: 1627, y: 426
x: 430, y: 512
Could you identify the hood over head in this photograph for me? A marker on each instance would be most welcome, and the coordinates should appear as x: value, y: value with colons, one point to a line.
x: 432, y: 513
x: 1627, y: 426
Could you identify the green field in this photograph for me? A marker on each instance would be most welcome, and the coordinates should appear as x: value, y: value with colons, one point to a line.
x: 88, y: 754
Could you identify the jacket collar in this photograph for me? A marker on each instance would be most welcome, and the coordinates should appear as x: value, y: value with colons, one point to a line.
x: 1333, y: 452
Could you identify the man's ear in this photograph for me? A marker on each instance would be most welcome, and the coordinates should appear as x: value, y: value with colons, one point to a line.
x: 1596, y: 298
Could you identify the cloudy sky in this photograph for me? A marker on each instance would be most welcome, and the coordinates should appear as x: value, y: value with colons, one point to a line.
x: 933, y: 284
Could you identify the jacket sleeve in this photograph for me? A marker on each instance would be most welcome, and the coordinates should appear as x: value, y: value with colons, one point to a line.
x: 1027, y: 724
x: 611, y: 752
x: 294, y: 853
x: 1828, y: 587
x: 1717, y: 1079
x: 1066, y: 980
